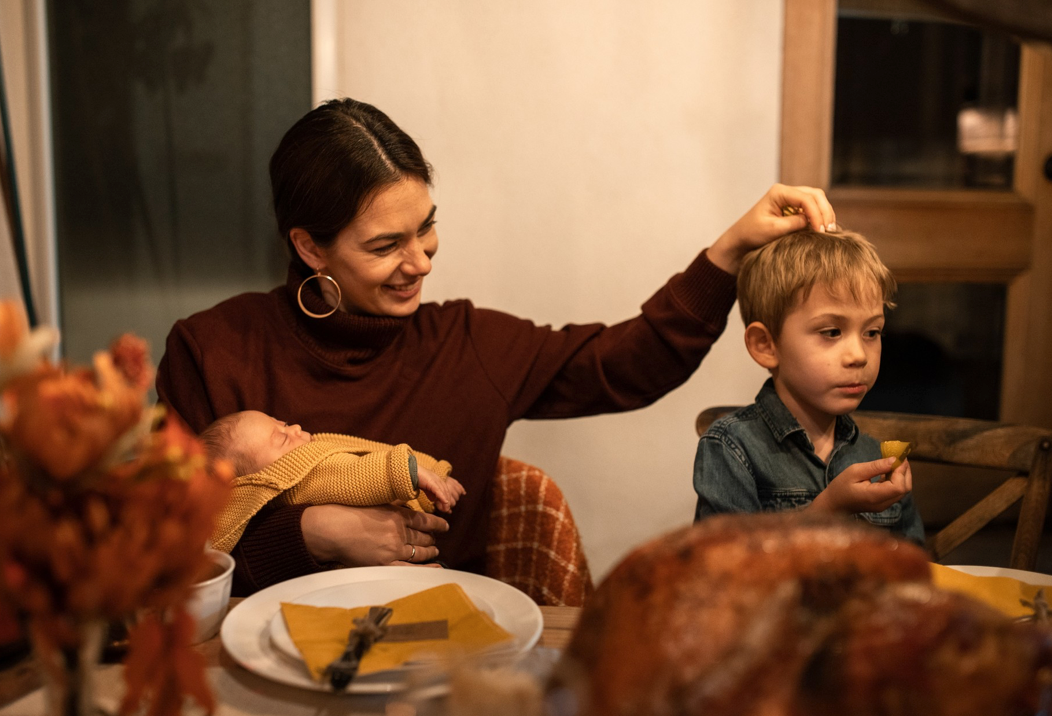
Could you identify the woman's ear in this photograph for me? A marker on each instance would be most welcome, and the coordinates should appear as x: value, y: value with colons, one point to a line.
x: 306, y: 248
x: 761, y: 346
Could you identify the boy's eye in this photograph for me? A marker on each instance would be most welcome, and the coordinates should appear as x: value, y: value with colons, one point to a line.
x: 830, y: 332
x: 875, y: 333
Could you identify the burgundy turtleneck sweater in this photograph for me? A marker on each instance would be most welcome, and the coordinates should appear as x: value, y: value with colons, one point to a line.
x: 448, y: 381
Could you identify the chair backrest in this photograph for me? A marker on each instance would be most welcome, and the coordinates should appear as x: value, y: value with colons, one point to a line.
x: 1021, y: 450
x: 533, y: 543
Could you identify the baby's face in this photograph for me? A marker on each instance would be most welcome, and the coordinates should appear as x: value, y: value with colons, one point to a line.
x: 262, y: 439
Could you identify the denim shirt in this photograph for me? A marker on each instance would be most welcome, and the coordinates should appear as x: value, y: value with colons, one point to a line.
x: 759, y: 459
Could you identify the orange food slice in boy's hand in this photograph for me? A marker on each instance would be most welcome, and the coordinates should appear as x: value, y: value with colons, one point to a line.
x: 896, y: 449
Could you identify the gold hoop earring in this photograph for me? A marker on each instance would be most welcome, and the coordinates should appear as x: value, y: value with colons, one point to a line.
x: 319, y: 275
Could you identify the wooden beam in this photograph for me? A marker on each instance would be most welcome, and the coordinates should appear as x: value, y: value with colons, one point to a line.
x: 1026, y: 395
x: 808, y: 69
x: 941, y: 235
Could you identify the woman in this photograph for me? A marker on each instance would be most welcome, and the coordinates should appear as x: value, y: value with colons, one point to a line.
x: 346, y: 345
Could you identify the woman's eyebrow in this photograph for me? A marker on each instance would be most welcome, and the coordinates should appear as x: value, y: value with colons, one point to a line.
x: 395, y: 235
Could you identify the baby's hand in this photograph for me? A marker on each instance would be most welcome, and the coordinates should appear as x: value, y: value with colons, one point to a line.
x: 853, y: 492
x: 443, y: 491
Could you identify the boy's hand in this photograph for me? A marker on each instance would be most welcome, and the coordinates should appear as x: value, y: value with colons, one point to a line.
x: 443, y: 491
x: 852, y: 492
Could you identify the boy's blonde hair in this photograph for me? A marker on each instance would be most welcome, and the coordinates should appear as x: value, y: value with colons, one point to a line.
x: 779, y: 276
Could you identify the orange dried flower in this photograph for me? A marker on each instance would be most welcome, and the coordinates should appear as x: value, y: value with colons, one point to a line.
x: 131, y: 357
x: 100, y: 516
x: 20, y: 348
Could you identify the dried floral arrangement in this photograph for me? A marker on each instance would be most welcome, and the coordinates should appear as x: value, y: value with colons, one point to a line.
x: 103, y: 516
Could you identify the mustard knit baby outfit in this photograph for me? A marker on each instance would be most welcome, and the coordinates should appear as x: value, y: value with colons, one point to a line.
x: 330, y: 469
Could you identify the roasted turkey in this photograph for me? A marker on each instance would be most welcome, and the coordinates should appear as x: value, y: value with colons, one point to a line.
x: 789, y: 615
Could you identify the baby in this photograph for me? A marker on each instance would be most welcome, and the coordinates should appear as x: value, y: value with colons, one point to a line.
x: 813, y: 306
x: 277, y: 461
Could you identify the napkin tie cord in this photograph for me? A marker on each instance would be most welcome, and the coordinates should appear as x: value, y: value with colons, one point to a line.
x: 367, y: 631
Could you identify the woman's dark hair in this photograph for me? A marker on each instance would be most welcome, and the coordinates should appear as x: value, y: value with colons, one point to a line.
x: 332, y: 161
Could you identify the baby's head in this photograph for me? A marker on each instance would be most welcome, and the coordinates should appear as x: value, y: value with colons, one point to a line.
x: 251, y: 440
x: 813, y: 305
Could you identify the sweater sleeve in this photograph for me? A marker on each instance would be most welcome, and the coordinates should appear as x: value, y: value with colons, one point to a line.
x: 592, y: 369
x: 375, y: 478
x: 272, y: 550
x: 180, y: 383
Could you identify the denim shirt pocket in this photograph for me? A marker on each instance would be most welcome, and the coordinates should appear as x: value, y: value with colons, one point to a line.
x: 783, y: 499
x: 888, y: 518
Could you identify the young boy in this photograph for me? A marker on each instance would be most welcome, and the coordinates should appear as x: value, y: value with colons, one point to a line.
x: 277, y: 461
x: 813, y: 306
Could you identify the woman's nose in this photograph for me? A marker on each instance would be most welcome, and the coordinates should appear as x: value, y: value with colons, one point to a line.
x: 417, y: 261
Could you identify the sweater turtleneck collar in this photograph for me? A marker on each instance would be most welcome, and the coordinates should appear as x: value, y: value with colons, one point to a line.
x: 341, y: 338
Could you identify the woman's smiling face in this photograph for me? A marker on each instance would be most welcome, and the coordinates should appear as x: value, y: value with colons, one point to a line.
x: 381, y: 258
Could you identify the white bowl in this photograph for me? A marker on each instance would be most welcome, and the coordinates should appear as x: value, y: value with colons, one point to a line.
x: 210, y: 598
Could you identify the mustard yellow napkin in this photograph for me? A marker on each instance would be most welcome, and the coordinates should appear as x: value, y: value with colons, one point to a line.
x: 1002, y: 593
x: 320, y: 633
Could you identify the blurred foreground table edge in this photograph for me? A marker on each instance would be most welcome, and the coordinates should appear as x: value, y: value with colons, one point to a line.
x: 22, y: 678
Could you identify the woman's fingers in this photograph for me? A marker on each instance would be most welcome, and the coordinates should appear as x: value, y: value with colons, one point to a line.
x: 425, y: 522
x: 812, y: 201
x: 364, y: 536
x: 415, y: 554
x: 418, y: 538
x: 767, y: 220
x: 431, y: 565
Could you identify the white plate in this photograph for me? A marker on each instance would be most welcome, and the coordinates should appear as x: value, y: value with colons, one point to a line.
x: 1035, y: 578
x: 246, y: 631
x: 363, y: 594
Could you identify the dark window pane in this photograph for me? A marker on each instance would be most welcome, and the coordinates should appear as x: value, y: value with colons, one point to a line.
x: 923, y: 103
x: 942, y: 352
x: 165, y: 115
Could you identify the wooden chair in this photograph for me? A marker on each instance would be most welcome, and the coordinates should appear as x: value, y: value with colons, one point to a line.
x: 533, y: 543
x: 1020, y: 450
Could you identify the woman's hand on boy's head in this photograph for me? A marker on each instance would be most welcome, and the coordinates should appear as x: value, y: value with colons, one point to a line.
x: 443, y: 491
x: 853, y: 491
x: 766, y: 221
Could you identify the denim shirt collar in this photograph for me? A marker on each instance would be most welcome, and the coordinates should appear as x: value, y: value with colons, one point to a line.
x: 782, y: 423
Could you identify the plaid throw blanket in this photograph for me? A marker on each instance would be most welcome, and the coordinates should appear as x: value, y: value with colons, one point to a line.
x: 533, y: 542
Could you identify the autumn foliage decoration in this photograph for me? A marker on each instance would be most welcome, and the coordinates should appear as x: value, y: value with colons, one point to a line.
x: 102, y: 517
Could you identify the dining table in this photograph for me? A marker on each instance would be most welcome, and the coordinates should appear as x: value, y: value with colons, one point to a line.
x: 239, y: 692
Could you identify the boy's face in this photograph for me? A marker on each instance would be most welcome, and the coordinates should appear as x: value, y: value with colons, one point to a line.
x: 828, y: 352
x: 261, y: 439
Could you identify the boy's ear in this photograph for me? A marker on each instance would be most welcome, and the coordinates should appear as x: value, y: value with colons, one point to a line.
x: 760, y: 343
x: 306, y: 248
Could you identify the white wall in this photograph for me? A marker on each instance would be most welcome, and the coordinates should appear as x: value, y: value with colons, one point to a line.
x: 23, y: 42
x: 585, y: 151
